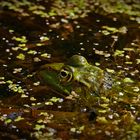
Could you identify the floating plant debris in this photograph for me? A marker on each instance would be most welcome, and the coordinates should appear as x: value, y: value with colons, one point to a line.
x: 41, y: 36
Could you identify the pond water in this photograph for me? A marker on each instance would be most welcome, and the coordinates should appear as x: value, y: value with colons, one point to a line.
x: 28, y: 41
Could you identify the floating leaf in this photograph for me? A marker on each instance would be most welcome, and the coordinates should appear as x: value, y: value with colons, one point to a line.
x: 48, y: 103
x: 7, y: 121
x: 110, y: 70
x: 54, y: 99
x: 128, y: 49
x: 105, y: 32
x: 36, y: 59
x: 17, y: 70
x: 20, y: 39
x: 32, y: 98
x: 44, y: 38
x: 73, y: 129
x: 39, y: 126
x: 128, y: 80
x: 138, y: 61
x: 136, y: 89
x: 102, y: 111
x: 102, y: 120
x: 128, y: 62
x: 110, y: 29
x: 40, y: 121
x: 46, y: 55
x: 32, y: 52
x: 24, y: 96
x: 19, y: 118
x: 97, y: 64
x: 21, y: 56
x: 119, y: 53
x: 123, y: 30
x: 36, y: 83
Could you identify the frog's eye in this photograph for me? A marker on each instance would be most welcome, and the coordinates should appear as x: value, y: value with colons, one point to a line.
x: 65, y: 76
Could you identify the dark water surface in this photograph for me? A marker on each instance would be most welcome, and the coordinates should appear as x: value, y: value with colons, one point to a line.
x: 27, y: 42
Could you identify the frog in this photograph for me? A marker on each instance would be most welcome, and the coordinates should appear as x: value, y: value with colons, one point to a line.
x: 77, y: 75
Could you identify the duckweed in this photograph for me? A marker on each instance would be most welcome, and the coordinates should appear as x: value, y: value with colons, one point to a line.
x: 102, y: 120
x: 21, y: 56
x: 19, y: 118
x: 39, y: 127
x: 40, y: 32
x: 20, y: 39
x: 46, y: 55
x: 128, y: 80
x: 119, y: 53
x: 32, y: 52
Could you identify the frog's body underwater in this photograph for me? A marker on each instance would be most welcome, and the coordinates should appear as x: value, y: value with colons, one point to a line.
x: 76, y: 74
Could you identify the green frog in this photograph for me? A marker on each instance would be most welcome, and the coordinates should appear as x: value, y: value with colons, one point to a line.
x: 76, y: 75
x: 87, y: 85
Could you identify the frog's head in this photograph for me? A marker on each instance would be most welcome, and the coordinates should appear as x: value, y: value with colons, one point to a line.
x: 76, y: 73
x: 68, y: 72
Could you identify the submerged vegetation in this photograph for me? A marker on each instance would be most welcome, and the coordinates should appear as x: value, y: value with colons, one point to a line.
x: 39, y: 33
